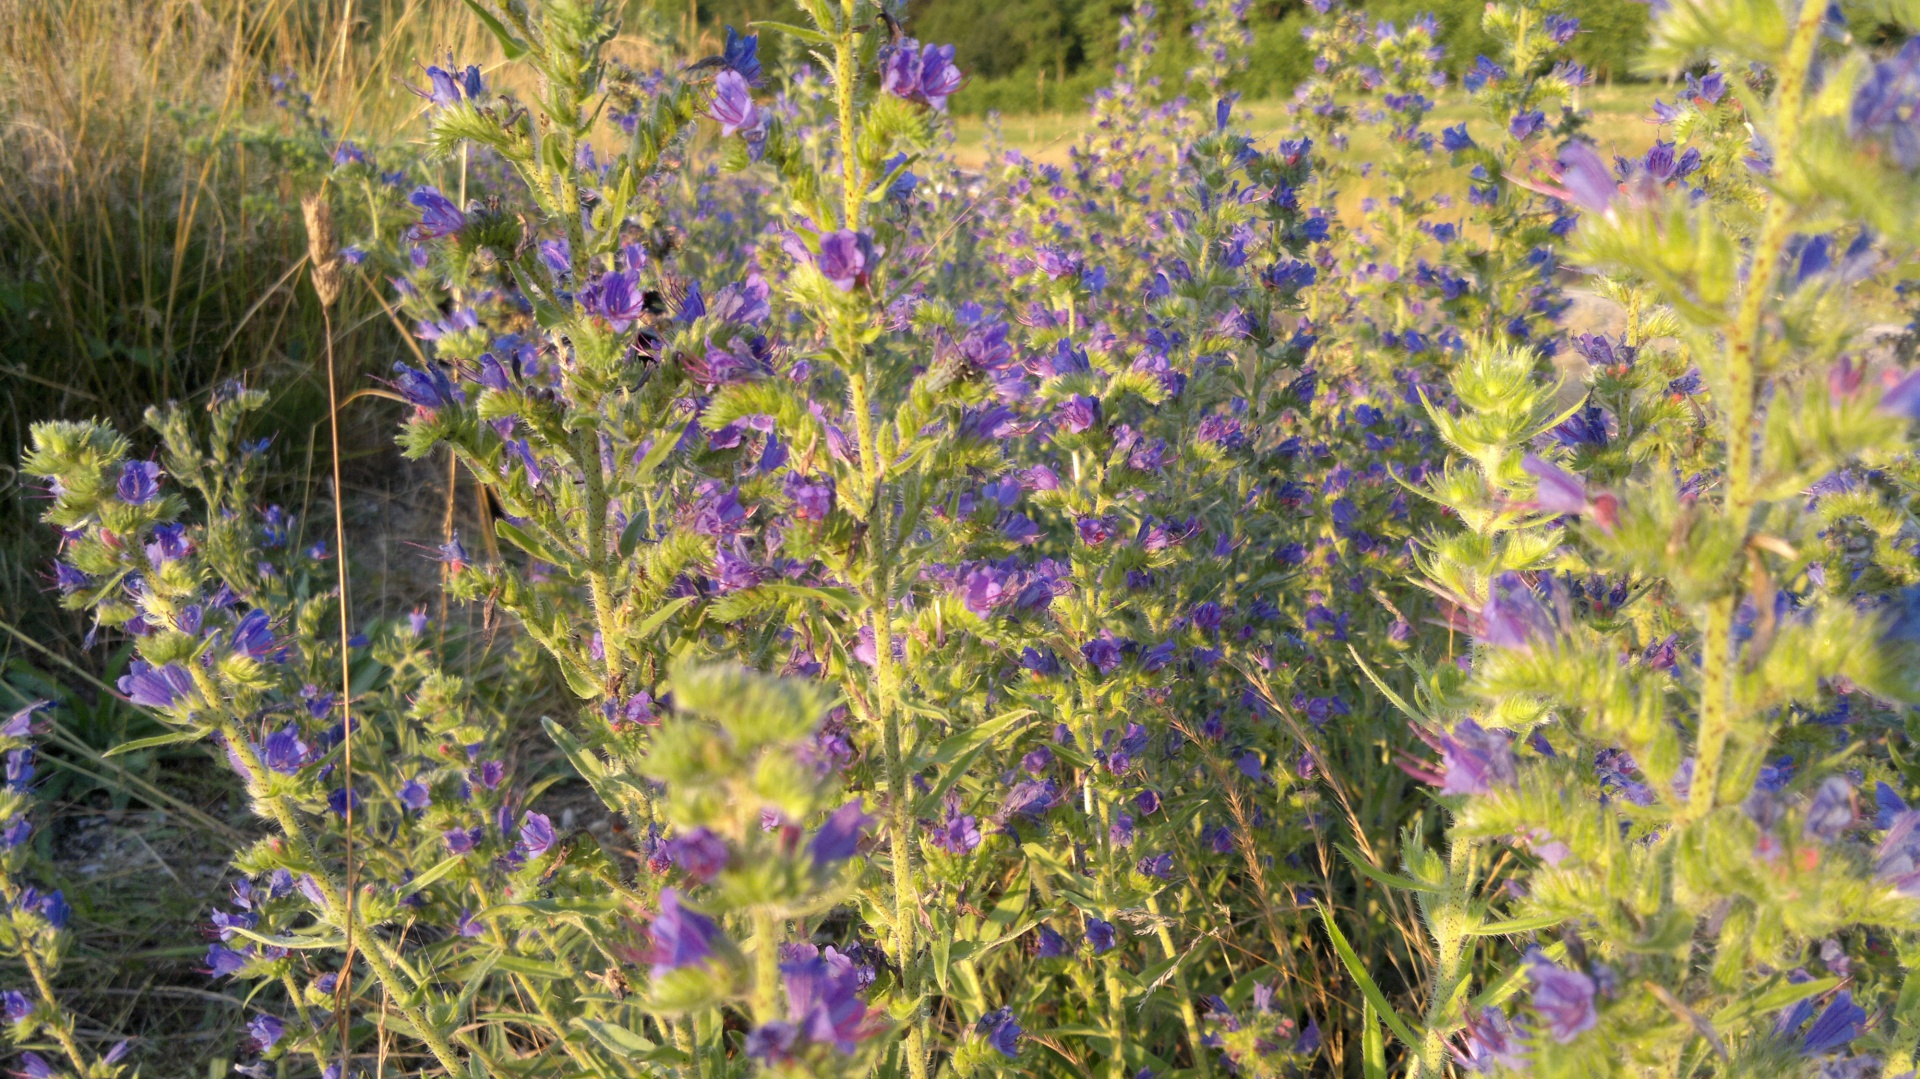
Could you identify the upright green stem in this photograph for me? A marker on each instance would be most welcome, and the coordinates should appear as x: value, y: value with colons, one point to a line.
x: 1716, y: 705
x: 60, y: 1032
x: 766, y: 967
x: 1448, y: 920
x: 844, y: 80
x: 1743, y: 359
x: 586, y: 455
x: 1744, y: 378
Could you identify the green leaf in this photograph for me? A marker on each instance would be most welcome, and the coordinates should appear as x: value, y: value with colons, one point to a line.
x: 138, y: 744
x: 532, y: 968
x: 534, y: 545
x: 1381, y: 876
x: 511, y: 47
x: 842, y: 598
x: 1516, y: 925
x: 1398, y: 702
x: 1373, y: 994
x: 630, y: 535
x: 446, y: 866
x: 652, y: 623
x: 959, y: 750
x: 1373, y: 1047
x: 331, y: 941
x: 811, y: 37
x: 628, y: 1044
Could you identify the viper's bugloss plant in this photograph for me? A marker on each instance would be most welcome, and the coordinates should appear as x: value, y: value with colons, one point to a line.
x: 1674, y: 754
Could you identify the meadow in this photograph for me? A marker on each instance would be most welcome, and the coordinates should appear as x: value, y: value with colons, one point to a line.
x: 560, y: 538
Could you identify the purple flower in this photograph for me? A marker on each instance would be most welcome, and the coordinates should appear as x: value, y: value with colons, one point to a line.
x: 253, y: 635
x: 35, y: 1066
x: 438, y: 215
x: 839, y: 838
x: 1052, y: 945
x: 463, y: 840
x: 1491, y: 1043
x: 1562, y: 997
x: 823, y: 999
x: 536, y: 834
x: 161, y: 687
x: 1475, y: 760
x: 225, y: 962
x: 1561, y: 28
x: 742, y: 56
x: 701, y: 854
x: 266, y: 1031
x: 1831, y: 810
x: 1837, y: 1026
x: 926, y: 76
x: 1029, y: 798
x: 283, y: 751
x: 1559, y: 491
x: 427, y: 391
x: 446, y: 87
x: 1513, y: 617
x: 1526, y: 125
x: 16, y: 1004
x: 1102, y: 654
x: 1898, y: 859
x: 616, y: 297
x: 1100, y: 934
x: 772, y: 1042
x: 1001, y: 1031
x: 139, y: 482
x: 1038, y: 760
x: 1903, y: 398
x: 681, y: 937
x: 1886, y: 105
x: 15, y: 832
x: 1585, y: 178
x: 414, y: 795
x: 958, y: 833
x: 845, y: 258
x: 733, y: 105
x: 1079, y: 413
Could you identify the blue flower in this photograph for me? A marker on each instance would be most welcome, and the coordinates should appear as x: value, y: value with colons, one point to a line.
x: 845, y: 259
x: 1001, y: 1031
x: 742, y: 56
x: 839, y: 838
x: 823, y: 1001
x: 1100, y: 934
x: 681, y: 937
x: 18, y: 1006
x: 439, y: 217
x: 139, y: 482
x: 151, y: 687
x: 1562, y: 997
x: 253, y: 635
x: 1836, y: 1026
x: 733, y: 107
x: 266, y: 1031
x: 283, y: 751
x: 536, y: 834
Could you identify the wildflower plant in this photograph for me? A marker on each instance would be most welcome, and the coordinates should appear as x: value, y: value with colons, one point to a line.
x: 1673, y: 712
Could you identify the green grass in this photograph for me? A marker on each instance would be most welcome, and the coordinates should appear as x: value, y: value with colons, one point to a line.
x: 1618, y: 124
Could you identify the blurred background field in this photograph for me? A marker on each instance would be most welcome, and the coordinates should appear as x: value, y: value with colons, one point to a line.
x: 152, y: 155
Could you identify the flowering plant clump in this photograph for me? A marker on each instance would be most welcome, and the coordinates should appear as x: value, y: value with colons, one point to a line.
x: 1119, y: 618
